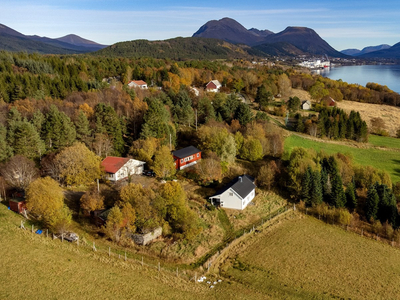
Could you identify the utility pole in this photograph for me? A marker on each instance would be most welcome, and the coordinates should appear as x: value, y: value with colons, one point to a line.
x: 170, y: 142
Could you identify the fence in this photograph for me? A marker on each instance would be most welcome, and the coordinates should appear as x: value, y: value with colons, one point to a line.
x: 365, y: 230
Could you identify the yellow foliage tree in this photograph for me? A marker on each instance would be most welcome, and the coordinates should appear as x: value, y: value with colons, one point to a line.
x: 45, y: 200
x: 164, y: 165
x: 78, y: 165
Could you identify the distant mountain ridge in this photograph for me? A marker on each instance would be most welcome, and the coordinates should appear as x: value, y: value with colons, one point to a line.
x: 12, y: 40
x: 306, y: 40
x: 231, y: 31
x: 357, y: 52
x: 390, y: 53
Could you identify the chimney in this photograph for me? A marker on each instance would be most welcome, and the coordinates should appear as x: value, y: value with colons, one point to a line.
x: 240, y: 178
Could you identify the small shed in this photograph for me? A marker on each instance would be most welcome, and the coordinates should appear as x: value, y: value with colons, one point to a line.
x: 143, y: 239
x: 17, y: 205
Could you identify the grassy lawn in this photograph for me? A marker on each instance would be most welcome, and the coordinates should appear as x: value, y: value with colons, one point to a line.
x: 388, y: 160
x: 384, y: 141
x: 304, y: 258
x: 36, y: 267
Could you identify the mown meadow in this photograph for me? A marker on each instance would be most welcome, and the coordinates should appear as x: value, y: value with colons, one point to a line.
x: 384, y: 159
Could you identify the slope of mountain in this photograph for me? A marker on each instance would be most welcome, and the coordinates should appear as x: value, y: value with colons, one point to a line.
x: 304, y: 39
x: 12, y: 40
x: 178, y: 49
x: 231, y: 31
x: 351, y: 52
x: 356, y: 52
x: 279, y: 49
x: 390, y: 53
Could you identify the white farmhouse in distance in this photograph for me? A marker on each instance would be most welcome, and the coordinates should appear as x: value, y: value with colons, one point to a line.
x: 118, y: 168
x: 138, y: 84
x: 237, y: 194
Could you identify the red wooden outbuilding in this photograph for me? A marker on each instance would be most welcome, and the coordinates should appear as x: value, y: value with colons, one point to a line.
x: 186, y: 157
x: 17, y: 205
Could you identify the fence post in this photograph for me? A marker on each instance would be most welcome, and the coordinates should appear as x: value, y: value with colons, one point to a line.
x: 159, y: 269
x: 109, y: 251
x: 94, y: 247
x: 195, y: 277
x: 177, y: 274
x: 47, y: 233
x: 62, y: 237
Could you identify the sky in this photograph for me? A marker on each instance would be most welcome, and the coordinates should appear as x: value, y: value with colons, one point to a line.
x: 342, y: 23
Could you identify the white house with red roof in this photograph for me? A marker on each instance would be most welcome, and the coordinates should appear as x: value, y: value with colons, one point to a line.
x: 118, y: 168
x: 137, y: 84
x: 213, y: 86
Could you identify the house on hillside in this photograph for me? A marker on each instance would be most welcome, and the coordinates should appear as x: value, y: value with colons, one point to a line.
x: 118, y: 168
x: 328, y: 101
x: 17, y: 205
x: 186, y: 157
x: 306, y: 105
x: 237, y: 194
x: 138, y: 84
x: 213, y: 86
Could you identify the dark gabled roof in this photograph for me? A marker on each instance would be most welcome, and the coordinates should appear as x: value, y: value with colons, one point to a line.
x: 185, y: 152
x: 242, y: 185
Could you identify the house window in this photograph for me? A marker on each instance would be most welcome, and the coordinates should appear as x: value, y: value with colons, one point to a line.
x: 231, y: 194
x: 181, y: 160
x: 198, y: 154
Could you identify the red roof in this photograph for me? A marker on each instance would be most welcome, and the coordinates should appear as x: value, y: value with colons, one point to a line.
x: 112, y: 164
x: 138, y: 82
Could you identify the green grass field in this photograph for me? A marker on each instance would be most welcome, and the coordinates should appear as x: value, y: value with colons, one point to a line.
x: 384, y: 141
x: 304, y: 258
x: 388, y: 160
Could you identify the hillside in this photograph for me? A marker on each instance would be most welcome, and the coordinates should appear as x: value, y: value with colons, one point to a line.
x: 177, y: 49
x: 231, y: 31
x: 390, y: 53
x: 12, y: 40
x: 279, y: 49
x: 357, y: 52
x: 304, y: 39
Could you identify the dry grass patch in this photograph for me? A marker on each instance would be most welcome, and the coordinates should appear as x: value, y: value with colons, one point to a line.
x: 304, y: 258
x: 262, y: 205
x: 389, y: 114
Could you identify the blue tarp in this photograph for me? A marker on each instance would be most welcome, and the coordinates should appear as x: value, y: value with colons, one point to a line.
x: 38, y: 231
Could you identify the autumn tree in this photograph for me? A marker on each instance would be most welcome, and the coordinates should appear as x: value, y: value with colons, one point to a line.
x: 266, y: 175
x: 141, y: 199
x: 209, y: 169
x: 251, y: 150
x: 78, y: 165
x: 45, y: 199
x: 19, y: 172
x: 275, y: 144
x: 144, y: 149
x: 164, y: 165
x: 92, y: 200
x: 294, y: 104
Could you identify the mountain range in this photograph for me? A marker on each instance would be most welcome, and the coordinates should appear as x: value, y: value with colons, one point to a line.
x: 224, y: 38
x: 12, y: 40
x: 357, y: 52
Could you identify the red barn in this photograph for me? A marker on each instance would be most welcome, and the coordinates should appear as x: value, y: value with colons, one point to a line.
x: 213, y: 86
x: 186, y: 157
x: 17, y: 205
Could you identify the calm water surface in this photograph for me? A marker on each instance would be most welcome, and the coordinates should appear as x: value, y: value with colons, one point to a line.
x: 388, y: 75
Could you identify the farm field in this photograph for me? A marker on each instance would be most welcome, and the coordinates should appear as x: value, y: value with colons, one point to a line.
x: 384, y: 141
x: 304, y: 258
x: 35, y: 267
x: 388, y: 160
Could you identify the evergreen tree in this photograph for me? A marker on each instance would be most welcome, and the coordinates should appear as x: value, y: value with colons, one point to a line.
x: 316, y: 188
x: 58, y: 130
x: 338, y: 198
x: 243, y: 114
x: 306, y: 186
x: 371, y: 204
x: 351, y: 200
x: 82, y: 126
x: 263, y: 97
x: 5, y: 150
x: 38, y: 120
x: 300, y: 125
x: 108, y: 123
x: 27, y: 141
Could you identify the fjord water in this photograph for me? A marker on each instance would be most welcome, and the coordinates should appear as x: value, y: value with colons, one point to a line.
x: 388, y: 75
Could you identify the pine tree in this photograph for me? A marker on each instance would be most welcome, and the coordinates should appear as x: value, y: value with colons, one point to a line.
x: 351, y: 200
x: 337, y: 195
x: 243, y: 114
x: 5, y: 150
x: 316, y: 188
x: 371, y: 204
x: 27, y: 141
x: 306, y: 186
x: 82, y: 126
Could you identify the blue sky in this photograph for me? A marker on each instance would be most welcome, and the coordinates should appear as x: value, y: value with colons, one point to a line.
x: 343, y: 24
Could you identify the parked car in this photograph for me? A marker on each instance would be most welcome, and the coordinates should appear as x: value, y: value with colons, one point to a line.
x: 149, y: 173
x: 71, y: 236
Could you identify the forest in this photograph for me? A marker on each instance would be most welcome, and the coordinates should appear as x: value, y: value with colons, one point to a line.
x: 60, y: 115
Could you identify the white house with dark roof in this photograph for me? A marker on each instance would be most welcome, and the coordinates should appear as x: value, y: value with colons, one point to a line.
x: 237, y: 194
